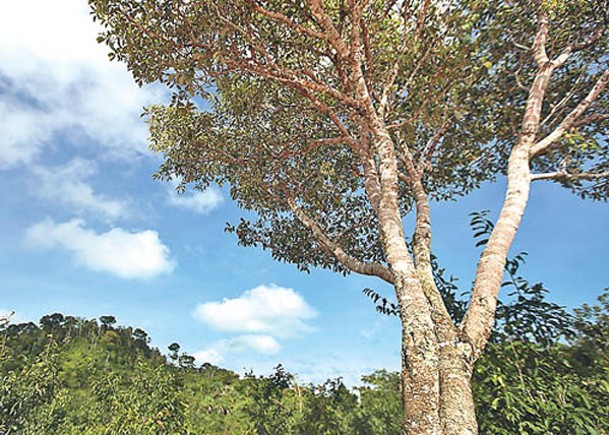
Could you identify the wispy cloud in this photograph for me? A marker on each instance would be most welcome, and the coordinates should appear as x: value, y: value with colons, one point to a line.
x: 199, y: 202
x: 272, y: 310
x: 264, y: 344
x: 22, y: 139
x: 137, y: 255
x: 66, y: 185
x: 58, y: 79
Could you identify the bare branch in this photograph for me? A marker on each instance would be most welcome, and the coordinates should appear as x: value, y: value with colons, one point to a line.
x: 331, y: 31
x: 563, y: 101
x: 371, y: 176
x: 519, y: 82
x: 591, y: 118
x: 565, y: 176
x: 573, y: 48
x: 287, y: 76
x: 421, y: 244
x: 421, y: 20
x: 591, y: 40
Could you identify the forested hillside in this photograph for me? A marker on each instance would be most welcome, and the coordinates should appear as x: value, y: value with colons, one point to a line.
x: 547, y: 371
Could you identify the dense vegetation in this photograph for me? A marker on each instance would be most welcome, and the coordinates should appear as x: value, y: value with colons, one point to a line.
x: 546, y: 371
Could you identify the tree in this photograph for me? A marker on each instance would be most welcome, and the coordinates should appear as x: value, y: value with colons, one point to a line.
x: 174, y: 348
x: 107, y: 322
x: 332, y: 120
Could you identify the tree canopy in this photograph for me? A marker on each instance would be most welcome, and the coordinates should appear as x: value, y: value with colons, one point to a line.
x: 280, y: 121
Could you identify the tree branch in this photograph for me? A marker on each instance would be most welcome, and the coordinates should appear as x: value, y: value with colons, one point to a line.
x: 331, y: 31
x: 332, y: 248
x: 565, y: 176
x: 539, y: 45
x: 281, y: 18
x: 431, y: 145
x: 548, y: 142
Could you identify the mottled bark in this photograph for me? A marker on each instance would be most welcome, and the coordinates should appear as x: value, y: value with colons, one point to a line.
x: 478, y: 321
x: 457, y: 411
x: 420, y: 351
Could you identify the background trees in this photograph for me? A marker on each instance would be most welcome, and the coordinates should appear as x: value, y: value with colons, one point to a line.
x: 555, y: 380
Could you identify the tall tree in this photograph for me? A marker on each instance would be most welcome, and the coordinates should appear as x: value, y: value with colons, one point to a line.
x: 333, y: 119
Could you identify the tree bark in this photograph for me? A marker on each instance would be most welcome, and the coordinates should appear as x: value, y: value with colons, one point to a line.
x: 457, y: 411
x: 420, y: 368
x: 436, y: 389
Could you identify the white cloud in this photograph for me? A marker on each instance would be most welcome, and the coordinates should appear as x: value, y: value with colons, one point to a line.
x: 21, y: 138
x: 55, y: 77
x: 65, y: 184
x: 121, y: 253
x: 272, y: 310
x: 264, y: 344
x: 211, y: 356
x: 259, y: 343
x: 199, y: 202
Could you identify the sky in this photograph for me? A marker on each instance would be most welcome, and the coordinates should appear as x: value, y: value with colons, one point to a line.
x: 86, y: 231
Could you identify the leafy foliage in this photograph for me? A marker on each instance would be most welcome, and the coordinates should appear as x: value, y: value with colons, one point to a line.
x: 264, y: 102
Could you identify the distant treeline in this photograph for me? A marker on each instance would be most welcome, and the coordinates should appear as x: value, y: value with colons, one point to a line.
x: 546, y: 371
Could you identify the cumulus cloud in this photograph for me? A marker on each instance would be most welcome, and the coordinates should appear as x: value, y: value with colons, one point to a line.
x: 199, y: 202
x: 58, y: 79
x: 65, y: 184
x: 264, y: 344
x: 271, y: 310
x: 138, y: 255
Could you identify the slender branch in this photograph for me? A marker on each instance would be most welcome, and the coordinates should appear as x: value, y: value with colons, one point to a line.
x: 591, y: 40
x: 431, y: 145
x: 281, y: 18
x: 549, y: 141
x: 367, y: 53
x: 274, y: 71
x: 317, y: 143
x: 332, y: 248
x: 437, y: 96
x: 556, y: 107
x: 421, y: 20
x: 591, y: 118
x: 418, y: 65
x: 565, y: 176
x: 518, y: 81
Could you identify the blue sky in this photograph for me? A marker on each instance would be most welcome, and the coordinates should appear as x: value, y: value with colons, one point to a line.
x: 85, y: 230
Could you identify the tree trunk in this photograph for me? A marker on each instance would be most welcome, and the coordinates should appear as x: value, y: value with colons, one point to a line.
x: 457, y: 411
x: 436, y: 385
